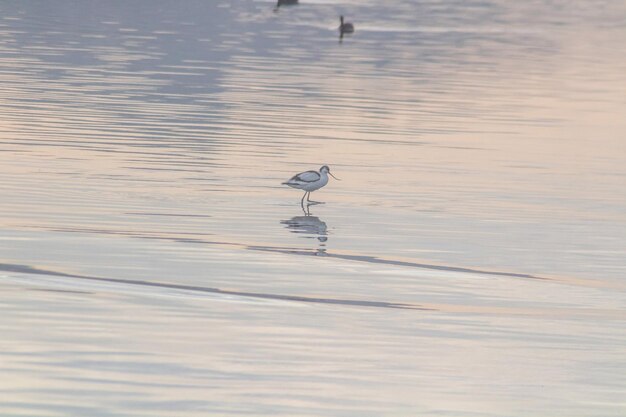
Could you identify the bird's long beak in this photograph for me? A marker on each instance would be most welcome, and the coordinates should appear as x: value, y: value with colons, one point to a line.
x: 333, y: 176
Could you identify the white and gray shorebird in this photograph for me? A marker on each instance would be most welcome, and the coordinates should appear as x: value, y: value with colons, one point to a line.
x: 310, y: 181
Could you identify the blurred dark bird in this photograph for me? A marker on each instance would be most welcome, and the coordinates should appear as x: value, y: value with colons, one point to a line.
x: 285, y: 3
x: 346, y: 27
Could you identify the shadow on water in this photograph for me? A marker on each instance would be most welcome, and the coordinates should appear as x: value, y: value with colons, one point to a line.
x: 191, y: 238
x: 25, y: 269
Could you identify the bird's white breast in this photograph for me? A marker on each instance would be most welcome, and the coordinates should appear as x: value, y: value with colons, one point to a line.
x: 312, y: 186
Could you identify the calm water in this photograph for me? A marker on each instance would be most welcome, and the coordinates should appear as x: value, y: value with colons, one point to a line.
x: 471, y: 262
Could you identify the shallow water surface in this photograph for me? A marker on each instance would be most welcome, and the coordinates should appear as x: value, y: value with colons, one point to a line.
x: 470, y: 262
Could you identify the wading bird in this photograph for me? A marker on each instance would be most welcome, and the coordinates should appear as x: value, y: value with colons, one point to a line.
x: 310, y: 181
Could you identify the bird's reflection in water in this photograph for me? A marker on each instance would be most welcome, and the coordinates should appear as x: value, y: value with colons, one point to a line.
x: 309, y: 227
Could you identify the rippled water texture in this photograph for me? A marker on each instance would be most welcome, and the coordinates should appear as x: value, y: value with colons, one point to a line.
x: 470, y: 262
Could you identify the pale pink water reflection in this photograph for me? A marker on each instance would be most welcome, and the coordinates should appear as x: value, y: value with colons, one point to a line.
x: 470, y: 262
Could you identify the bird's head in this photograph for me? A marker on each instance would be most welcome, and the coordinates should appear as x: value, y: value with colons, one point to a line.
x: 326, y: 170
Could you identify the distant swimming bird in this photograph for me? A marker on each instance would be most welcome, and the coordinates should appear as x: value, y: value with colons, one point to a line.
x: 310, y: 181
x: 345, y: 27
x: 285, y: 3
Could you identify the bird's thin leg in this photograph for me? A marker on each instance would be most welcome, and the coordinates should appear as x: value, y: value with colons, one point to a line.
x: 302, y: 201
x: 309, y: 197
x: 313, y: 202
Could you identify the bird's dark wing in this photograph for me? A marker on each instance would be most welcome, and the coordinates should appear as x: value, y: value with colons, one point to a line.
x: 308, y: 176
